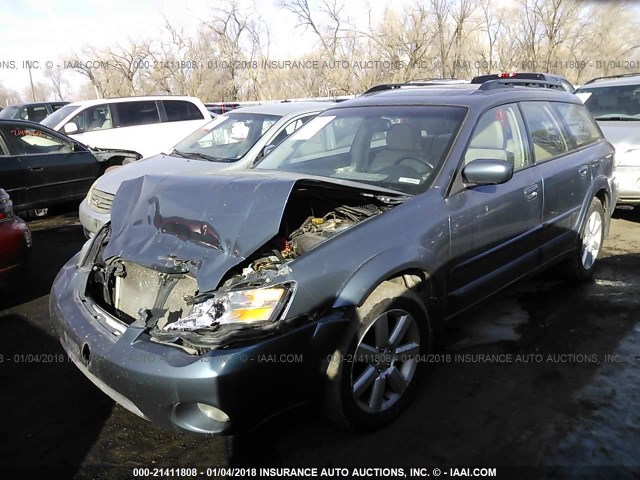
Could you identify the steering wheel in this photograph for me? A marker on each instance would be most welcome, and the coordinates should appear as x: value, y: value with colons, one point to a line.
x: 421, y: 161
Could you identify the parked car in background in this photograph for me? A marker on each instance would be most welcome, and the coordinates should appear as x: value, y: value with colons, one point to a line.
x: 550, y: 78
x: 327, y: 271
x: 146, y: 125
x: 40, y: 167
x: 233, y: 140
x: 220, y: 108
x: 33, y: 111
x: 15, y: 243
x: 614, y: 101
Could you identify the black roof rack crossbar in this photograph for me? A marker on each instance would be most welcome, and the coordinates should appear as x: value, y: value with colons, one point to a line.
x: 522, y: 82
x: 393, y: 86
x: 607, y: 77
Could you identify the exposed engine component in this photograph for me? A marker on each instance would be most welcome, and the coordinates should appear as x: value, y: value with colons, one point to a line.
x: 316, y: 230
x: 313, y: 231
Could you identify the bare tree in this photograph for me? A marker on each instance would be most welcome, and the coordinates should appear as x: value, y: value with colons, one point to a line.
x: 59, y: 83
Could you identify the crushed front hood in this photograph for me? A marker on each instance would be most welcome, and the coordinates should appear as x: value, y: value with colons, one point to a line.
x: 204, y: 224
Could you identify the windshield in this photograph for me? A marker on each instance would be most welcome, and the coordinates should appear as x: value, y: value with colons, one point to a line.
x: 612, y: 103
x: 56, y: 117
x: 8, y: 112
x: 396, y: 147
x: 227, y: 138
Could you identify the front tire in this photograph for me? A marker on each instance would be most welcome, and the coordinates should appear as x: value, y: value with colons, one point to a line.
x: 583, y: 262
x: 373, y: 373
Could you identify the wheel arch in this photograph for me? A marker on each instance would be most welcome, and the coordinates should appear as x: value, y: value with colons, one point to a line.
x: 601, y: 190
x: 416, y: 270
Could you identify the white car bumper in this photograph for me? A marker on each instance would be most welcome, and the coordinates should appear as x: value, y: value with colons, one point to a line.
x: 91, y: 220
x: 628, y: 181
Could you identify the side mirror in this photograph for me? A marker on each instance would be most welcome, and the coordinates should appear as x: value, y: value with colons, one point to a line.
x: 70, y: 127
x: 487, y: 172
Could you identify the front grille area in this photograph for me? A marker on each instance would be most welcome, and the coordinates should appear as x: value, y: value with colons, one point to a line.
x: 101, y: 201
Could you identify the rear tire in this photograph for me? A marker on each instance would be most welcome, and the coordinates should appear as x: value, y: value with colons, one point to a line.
x: 583, y: 262
x: 373, y: 373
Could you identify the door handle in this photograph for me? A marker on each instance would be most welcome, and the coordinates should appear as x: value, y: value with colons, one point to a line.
x: 583, y: 170
x: 36, y: 169
x: 531, y: 192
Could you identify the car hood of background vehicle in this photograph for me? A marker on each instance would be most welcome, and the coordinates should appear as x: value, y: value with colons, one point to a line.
x: 206, y: 224
x: 157, y: 164
x: 622, y: 135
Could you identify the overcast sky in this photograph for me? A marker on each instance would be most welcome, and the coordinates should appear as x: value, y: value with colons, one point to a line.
x: 44, y: 31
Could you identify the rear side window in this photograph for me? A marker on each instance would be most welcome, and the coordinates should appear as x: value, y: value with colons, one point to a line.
x: 180, y: 110
x: 547, y: 136
x: 56, y: 106
x: 137, y: 113
x: 580, y: 124
x: 499, y: 135
x: 34, y: 113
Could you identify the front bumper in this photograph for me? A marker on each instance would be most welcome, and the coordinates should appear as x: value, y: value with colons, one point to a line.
x: 628, y: 181
x: 165, y: 384
x: 91, y: 220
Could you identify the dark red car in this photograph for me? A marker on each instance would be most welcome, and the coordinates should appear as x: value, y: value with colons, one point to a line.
x: 15, y: 242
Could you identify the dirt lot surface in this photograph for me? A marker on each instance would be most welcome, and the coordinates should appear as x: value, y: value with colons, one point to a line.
x: 545, y: 373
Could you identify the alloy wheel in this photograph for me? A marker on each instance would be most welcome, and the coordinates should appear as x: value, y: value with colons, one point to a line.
x: 385, y: 361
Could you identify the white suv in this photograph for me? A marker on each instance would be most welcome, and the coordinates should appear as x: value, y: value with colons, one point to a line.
x: 615, y: 104
x: 146, y: 125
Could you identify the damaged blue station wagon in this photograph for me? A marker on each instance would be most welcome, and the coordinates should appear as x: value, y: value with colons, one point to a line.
x: 211, y: 302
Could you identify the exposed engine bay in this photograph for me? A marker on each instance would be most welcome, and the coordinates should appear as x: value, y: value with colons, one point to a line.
x: 292, y: 243
x: 176, y: 313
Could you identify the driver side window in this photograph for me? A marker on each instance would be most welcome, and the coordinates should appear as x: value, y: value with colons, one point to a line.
x: 499, y: 135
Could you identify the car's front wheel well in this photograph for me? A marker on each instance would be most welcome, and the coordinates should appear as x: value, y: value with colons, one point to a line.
x: 603, y: 196
x: 423, y: 284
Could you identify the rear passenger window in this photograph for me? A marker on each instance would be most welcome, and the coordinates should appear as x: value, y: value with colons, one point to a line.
x: 580, y: 123
x: 34, y: 113
x: 549, y: 140
x: 180, y: 110
x: 499, y: 135
x: 137, y: 113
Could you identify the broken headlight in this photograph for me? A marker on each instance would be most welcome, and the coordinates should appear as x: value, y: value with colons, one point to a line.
x: 236, y: 307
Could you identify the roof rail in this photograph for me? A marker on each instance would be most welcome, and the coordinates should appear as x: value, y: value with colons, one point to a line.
x: 521, y: 82
x: 622, y: 75
x: 393, y: 86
